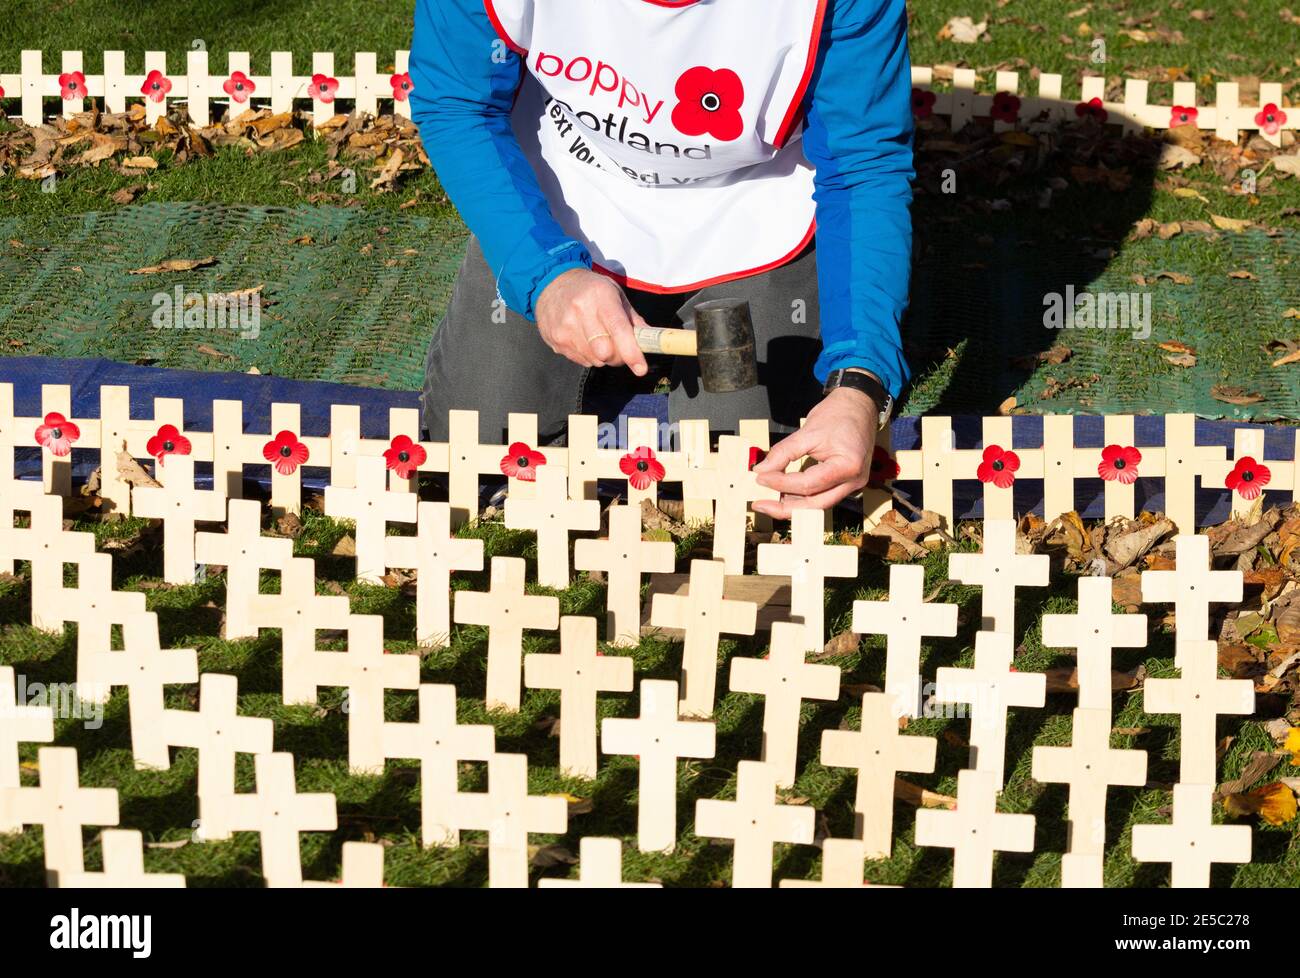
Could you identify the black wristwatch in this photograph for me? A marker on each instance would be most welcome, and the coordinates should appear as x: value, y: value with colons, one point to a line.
x: 868, y: 383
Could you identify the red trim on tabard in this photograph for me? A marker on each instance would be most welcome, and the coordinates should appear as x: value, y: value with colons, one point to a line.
x: 787, y: 125
x: 633, y: 283
x: 501, y: 31
x: 672, y: 3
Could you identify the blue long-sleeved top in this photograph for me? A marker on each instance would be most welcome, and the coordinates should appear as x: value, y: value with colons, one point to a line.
x: 857, y: 135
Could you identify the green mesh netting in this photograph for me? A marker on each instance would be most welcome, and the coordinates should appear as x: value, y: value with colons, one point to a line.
x: 359, y: 295
x: 355, y: 300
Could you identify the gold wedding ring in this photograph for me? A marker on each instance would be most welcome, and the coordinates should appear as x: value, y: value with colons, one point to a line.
x: 599, y: 336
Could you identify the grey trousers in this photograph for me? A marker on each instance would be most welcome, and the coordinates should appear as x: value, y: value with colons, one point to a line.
x: 489, y: 359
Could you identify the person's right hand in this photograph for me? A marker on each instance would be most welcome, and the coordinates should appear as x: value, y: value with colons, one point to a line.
x: 585, y: 317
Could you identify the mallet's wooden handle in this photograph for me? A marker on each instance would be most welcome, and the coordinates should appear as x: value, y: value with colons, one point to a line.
x: 671, y: 342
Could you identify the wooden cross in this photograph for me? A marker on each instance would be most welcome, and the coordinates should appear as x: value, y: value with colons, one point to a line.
x: 756, y: 822
x: 1191, y: 586
x: 703, y: 614
x: 588, y: 463
x: 696, y: 442
x: 439, y: 743
x: 144, y: 669
x: 1088, y: 766
x: 121, y: 432
x: 1198, y: 696
x: 1249, y: 443
x: 999, y: 570
x: 298, y: 611
x: 232, y: 447
x: 1181, y: 460
x: 842, y: 861
x: 1191, y: 843
x: 56, y: 470
x: 657, y: 738
x: 95, y: 608
x: 433, y: 553
x: 508, y: 813
x: 784, y: 679
x: 1094, y: 632
x: 808, y: 561
x: 60, y: 806
x: 371, y: 506
x: 16, y: 496
x: 244, y: 553
x: 938, y: 463
x: 552, y: 515
x: 279, y: 814
x: 975, y: 830
x: 732, y: 487
x: 467, y: 460
x: 904, y: 620
x: 19, y: 724
x: 365, y: 670
x: 878, y: 750
x: 179, y: 505
x: 47, y: 547
x: 624, y: 557
x: 347, y: 446
x: 1064, y: 464
x: 989, y: 687
x: 218, y: 733
x: 579, y: 672
x: 505, y: 610
x: 600, y: 867
x: 123, y: 851
x: 363, y: 868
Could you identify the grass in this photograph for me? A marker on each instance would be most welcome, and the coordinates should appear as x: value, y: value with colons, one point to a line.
x: 385, y: 807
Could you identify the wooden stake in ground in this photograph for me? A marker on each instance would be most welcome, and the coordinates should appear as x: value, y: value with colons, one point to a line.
x: 784, y: 679
x: 1095, y: 632
x: 508, y: 813
x: 298, y: 611
x: 842, y: 861
x: 61, y: 807
x: 999, y: 570
x: 363, y: 868
x: 440, y: 744
x: 1198, y: 696
x: 144, y: 669
x: 703, y: 614
x: 123, y: 867
x: 579, y: 672
x: 19, y: 724
x: 1191, y: 843
x: 433, y: 553
x: 600, y: 867
x: 552, y: 515
x: 975, y: 830
x: 245, y: 553
x: 732, y: 486
x: 1191, y: 586
x: 365, y: 670
x: 505, y: 610
x: 179, y: 505
x: 1089, y: 766
x: 878, y: 750
x: 756, y: 822
x: 657, y: 739
x: 279, y: 814
x: 807, y: 560
x: 904, y: 620
x: 218, y: 733
x: 624, y: 557
x: 990, y: 686
x: 371, y: 507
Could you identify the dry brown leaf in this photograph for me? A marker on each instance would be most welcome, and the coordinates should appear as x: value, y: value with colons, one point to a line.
x: 1241, y: 273
x: 1233, y: 224
x: 1274, y: 803
x: 914, y: 794
x: 1230, y: 394
x: 132, y: 473
x: 1178, y: 278
x: 174, y: 265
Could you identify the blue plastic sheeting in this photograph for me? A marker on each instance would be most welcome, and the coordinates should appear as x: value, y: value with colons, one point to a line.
x: 199, y: 389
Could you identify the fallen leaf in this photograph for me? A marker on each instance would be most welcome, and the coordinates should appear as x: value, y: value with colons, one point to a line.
x: 1178, y: 278
x: 1274, y: 803
x: 1234, y: 224
x: 963, y: 30
x: 1234, y: 395
x: 914, y: 794
x: 1241, y: 273
x: 132, y: 473
x: 174, y: 265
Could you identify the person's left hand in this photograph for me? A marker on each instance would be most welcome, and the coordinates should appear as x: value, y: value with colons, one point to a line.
x: 839, y: 436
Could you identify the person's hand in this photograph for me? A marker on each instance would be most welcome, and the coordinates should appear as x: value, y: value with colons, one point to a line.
x: 839, y: 436
x: 586, y: 318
